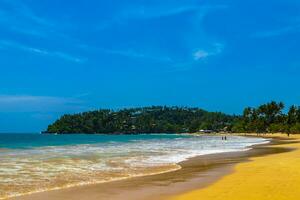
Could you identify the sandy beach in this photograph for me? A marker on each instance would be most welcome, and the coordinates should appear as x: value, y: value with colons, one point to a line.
x: 149, y: 100
x: 275, y: 177
x: 205, y: 177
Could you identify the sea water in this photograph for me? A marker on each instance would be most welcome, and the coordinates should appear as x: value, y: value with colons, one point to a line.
x: 32, y: 163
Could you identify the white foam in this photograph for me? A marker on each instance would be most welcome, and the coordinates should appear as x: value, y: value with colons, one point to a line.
x: 81, y: 164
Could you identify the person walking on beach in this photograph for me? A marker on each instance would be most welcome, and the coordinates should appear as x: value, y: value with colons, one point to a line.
x: 224, y: 137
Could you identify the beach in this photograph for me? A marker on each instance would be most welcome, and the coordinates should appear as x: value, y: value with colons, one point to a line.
x: 197, y: 175
x: 43, y: 163
x: 275, y: 177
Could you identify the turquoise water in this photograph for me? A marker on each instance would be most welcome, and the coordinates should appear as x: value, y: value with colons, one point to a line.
x: 25, y: 141
x: 47, y: 162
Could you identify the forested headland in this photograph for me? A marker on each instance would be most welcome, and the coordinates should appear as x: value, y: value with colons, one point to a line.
x: 266, y: 118
x: 155, y: 119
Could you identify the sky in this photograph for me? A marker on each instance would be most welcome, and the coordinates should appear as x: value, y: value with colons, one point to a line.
x: 60, y: 57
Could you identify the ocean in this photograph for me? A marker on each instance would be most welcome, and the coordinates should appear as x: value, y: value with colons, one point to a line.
x: 32, y: 163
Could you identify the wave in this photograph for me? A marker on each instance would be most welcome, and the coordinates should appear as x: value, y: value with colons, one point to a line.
x: 55, y: 167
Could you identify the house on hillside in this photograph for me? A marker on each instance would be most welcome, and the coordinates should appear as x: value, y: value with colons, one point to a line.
x: 206, y: 131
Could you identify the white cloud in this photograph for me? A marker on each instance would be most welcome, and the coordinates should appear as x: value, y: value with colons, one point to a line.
x: 68, y: 57
x: 201, y: 54
x: 30, y: 99
x: 43, y: 52
x: 31, y: 103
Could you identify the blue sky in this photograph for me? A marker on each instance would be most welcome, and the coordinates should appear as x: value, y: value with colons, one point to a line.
x: 61, y: 57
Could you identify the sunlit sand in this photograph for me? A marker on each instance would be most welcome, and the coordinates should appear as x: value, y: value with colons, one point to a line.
x: 274, y: 177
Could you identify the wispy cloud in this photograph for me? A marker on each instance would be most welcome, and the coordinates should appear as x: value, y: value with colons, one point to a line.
x: 19, y: 17
x: 201, y: 54
x: 144, y: 12
x: 198, y: 55
x: 156, y: 12
x: 39, y: 26
x: 135, y: 54
x: 277, y: 32
x: 130, y: 53
x: 43, y: 52
x: 31, y: 99
x: 31, y: 103
x: 25, y: 11
x: 67, y: 57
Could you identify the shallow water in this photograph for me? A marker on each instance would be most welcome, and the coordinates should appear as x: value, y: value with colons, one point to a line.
x: 32, y: 162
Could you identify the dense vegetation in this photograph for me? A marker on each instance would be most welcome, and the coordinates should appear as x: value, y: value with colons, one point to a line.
x: 269, y: 118
x: 157, y: 119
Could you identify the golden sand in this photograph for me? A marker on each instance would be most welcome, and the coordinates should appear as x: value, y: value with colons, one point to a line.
x: 270, y: 177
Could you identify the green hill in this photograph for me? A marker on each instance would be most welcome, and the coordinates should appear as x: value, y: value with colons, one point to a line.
x: 155, y: 119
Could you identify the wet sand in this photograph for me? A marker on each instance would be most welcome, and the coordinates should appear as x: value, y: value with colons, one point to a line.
x: 196, y: 173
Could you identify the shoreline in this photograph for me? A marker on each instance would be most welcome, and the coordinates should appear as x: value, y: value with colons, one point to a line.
x: 195, y: 173
x: 154, y: 163
x: 268, y: 177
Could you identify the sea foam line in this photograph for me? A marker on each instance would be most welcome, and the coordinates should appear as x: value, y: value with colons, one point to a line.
x: 175, y: 165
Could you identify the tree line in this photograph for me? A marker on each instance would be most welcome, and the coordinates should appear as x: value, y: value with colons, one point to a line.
x: 266, y: 118
x: 155, y: 119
